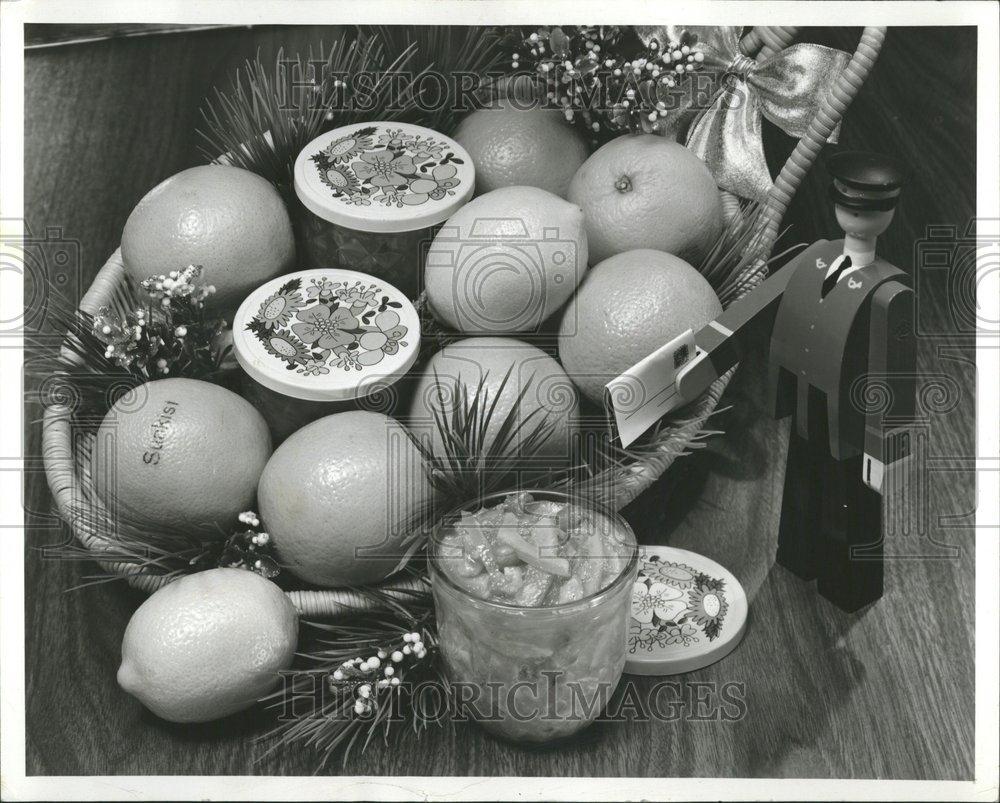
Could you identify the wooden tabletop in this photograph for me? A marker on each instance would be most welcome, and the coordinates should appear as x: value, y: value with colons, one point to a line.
x: 884, y: 693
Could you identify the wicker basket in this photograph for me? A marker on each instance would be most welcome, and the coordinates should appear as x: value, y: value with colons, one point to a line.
x: 65, y: 439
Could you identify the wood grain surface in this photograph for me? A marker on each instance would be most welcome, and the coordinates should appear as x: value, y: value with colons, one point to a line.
x: 885, y: 693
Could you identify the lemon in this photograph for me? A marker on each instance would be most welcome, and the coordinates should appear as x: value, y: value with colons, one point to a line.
x: 626, y: 308
x: 506, y: 261
x: 339, y: 496
x: 644, y: 191
x: 181, y: 454
x: 230, y: 221
x: 468, y: 361
x: 208, y: 645
x: 512, y: 145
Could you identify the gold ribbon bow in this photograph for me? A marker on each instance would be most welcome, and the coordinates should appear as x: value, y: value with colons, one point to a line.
x: 787, y: 88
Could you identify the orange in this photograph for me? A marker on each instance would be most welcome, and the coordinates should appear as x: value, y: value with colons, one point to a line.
x: 469, y: 360
x: 626, y: 308
x: 208, y: 645
x: 230, y: 221
x: 513, y: 145
x: 506, y: 261
x: 644, y: 191
x: 182, y: 454
x: 339, y: 496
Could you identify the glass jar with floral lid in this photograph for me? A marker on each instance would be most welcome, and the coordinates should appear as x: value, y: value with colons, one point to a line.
x: 317, y: 342
x: 373, y: 194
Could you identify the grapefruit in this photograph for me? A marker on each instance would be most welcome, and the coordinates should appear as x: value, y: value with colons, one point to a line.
x: 506, y: 261
x: 644, y: 191
x: 514, y: 145
x: 208, y: 645
x: 472, y: 359
x: 228, y: 220
x: 629, y: 306
x: 339, y: 496
x: 181, y: 454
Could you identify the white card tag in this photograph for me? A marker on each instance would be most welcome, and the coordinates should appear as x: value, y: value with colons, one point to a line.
x: 648, y: 390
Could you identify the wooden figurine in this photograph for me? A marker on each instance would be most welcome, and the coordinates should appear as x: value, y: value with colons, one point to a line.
x: 841, y: 334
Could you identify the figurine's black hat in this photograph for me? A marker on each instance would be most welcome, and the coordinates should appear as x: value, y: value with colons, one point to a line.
x: 865, y: 181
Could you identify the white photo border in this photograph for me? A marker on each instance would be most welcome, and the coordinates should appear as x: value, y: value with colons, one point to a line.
x: 16, y: 786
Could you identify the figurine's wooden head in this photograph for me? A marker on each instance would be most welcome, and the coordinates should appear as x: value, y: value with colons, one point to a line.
x: 865, y: 190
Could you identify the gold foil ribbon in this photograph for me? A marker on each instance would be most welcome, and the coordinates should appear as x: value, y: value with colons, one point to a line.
x: 787, y: 88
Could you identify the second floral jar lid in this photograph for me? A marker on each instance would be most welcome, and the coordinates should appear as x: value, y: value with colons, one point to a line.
x: 384, y: 177
x: 687, y: 612
x: 326, y: 335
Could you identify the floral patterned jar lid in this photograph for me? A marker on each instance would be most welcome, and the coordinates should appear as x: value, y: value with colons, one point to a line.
x: 687, y: 612
x: 326, y: 335
x: 384, y: 177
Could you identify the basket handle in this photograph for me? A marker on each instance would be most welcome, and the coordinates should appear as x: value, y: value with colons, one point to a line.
x: 764, y: 40
x: 829, y: 115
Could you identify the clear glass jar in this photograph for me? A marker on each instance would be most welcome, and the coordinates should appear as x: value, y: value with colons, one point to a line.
x: 534, y: 674
x: 371, y: 196
x: 285, y: 414
x: 398, y: 258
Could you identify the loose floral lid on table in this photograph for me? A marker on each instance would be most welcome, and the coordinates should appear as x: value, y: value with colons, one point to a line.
x: 326, y: 335
x: 384, y: 177
x: 687, y: 612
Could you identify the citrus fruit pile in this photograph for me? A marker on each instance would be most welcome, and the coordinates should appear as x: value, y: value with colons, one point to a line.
x: 605, y: 265
x: 593, y: 254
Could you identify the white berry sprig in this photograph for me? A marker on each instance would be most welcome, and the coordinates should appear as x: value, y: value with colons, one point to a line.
x: 167, y: 332
x: 250, y: 549
x: 603, y: 78
x: 383, y: 671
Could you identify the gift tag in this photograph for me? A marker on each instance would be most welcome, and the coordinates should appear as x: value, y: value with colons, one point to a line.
x: 687, y: 612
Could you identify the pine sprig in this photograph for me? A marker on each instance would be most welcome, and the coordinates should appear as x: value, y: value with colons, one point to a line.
x: 738, y: 259
x: 473, y: 458
x: 267, y: 117
x: 450, y: 52
x: 359, y: 680
x: 164, y: 553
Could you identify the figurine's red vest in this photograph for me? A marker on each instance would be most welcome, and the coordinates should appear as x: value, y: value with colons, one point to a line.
x: 819, y: 346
